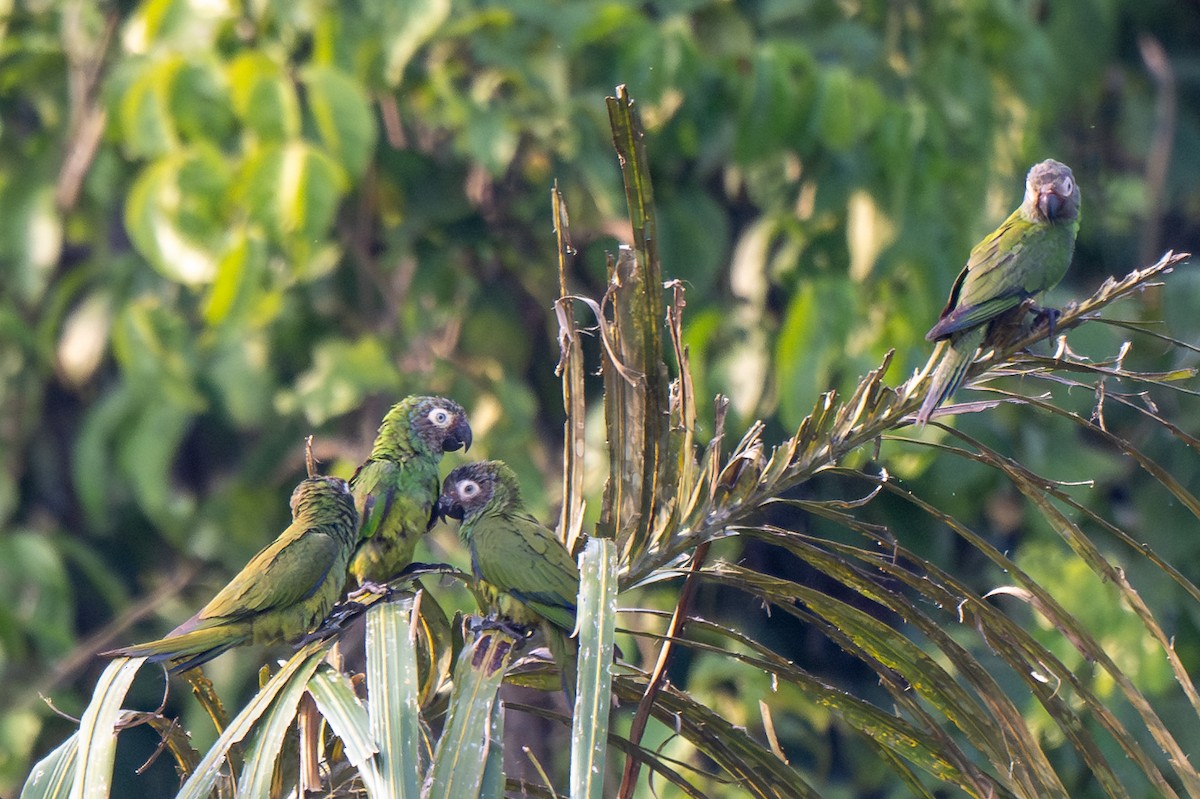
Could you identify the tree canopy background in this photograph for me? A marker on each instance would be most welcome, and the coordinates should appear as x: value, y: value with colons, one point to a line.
x: 228, y: 225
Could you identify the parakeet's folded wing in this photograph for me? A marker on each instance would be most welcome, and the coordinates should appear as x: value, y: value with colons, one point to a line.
x: 283, y: 574
x: 988, y: 285
x: 517, y: 554
x: 374, y: 480
x: 381, y: 483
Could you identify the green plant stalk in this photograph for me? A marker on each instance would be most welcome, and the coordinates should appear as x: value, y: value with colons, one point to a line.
x: 97, y: 730
x: 393, y: 686
x: 299, y: 668
x: 461, y: 757
x: 597, y: 636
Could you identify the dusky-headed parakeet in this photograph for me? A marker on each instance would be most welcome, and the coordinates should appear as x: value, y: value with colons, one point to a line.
x: 1028, y: 254
x: 512, y: 553
x: 282, y: 593
x: 396, y: 489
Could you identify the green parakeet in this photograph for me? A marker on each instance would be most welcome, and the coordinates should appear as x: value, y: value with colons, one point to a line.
x: 513, y: 554
x: 396, y: 489
x: 282, y: 593
x: 1028, y: 254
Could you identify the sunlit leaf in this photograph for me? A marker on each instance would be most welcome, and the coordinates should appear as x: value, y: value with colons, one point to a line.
x: 51, y: 776
x: 292, y: 189
x: 289, y: 682
x: 415, y: 21
x: 461, y: 758
x: 343, y: 117
x: 84, y: 339
x: 342, y: 373
x: 175, y: 214
x: 175, y: 25
x: 145, y: 111
x: 393, y: 691
x: 348, y: 719
x: 33, y: 238
x: 264, y: 97
x: 597, y: 611
x: 239, y: 277
x: 97, y: 739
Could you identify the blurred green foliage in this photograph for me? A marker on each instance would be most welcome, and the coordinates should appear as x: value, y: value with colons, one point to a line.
x: 225, y: 225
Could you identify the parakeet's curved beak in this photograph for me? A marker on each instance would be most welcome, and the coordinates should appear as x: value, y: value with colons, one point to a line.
x: 1050, y: 202
x: 458, y: 437
x: 448, y: 508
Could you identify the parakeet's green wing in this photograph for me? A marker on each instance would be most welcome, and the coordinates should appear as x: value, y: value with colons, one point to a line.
x: 517, y: 554
x: 379, y: 482
x: 283, y: 574
x: 988, y: 285
x: 372, y: 481
x: 395, y: 506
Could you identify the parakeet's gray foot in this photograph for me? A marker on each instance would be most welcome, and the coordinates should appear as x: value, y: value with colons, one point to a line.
x: 418, y: 569
x: 506, y: 626
x: 354, y: 605
x: 343, y: 612
x: 370, y: 590
x: 1049, y: 316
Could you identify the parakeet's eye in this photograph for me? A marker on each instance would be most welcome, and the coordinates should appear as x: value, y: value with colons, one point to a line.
x: 1068, y: 186
x: 467, y: 489
x: 439, y: 417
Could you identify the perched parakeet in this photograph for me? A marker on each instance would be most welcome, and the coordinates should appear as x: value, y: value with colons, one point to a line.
x: 513, y: 554
x: 282, y: 593
x: 396, y: 489
x: 1028, y: 254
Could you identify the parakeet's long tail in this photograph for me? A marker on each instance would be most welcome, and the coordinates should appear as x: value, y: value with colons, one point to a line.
x: 565, y: 651
x: 191, y: 648
x: 951, y: 371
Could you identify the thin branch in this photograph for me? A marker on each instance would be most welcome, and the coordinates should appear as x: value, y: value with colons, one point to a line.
x: 82, y: 655
x: 654, y: 684
x: 1158, y: 160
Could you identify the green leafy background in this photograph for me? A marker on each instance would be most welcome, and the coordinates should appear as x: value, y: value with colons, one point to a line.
x: 226, y: 225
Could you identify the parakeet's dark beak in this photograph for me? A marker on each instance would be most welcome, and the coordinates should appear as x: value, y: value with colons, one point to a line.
x: 457, y: 437
x: 447, y: 508
x: 1050, y: 202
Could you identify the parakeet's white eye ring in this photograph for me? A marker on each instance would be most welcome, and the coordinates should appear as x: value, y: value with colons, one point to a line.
x: 1068, y: 186
x: 467, y: 488
x: 439, y: 417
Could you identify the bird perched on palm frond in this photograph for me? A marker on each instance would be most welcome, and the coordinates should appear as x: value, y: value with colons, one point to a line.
x: 282, y: 593
x: 1028, y: 254
x: 396, y: 489
x: 514, y: 554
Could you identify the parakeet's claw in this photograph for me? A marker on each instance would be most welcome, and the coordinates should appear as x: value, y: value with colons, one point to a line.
x: 1048, y: 315
x: 342, y: 613
x: 418, y: 569
x: 356, y: 603
x: 370, y: 590
x: 507, y: 626
x: 327, y: 629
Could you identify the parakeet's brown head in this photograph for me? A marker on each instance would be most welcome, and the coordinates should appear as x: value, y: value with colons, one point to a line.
x: 1051, y: 194
x: 432, y: 424
x: 474, y: 487
x: 321, y: 493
